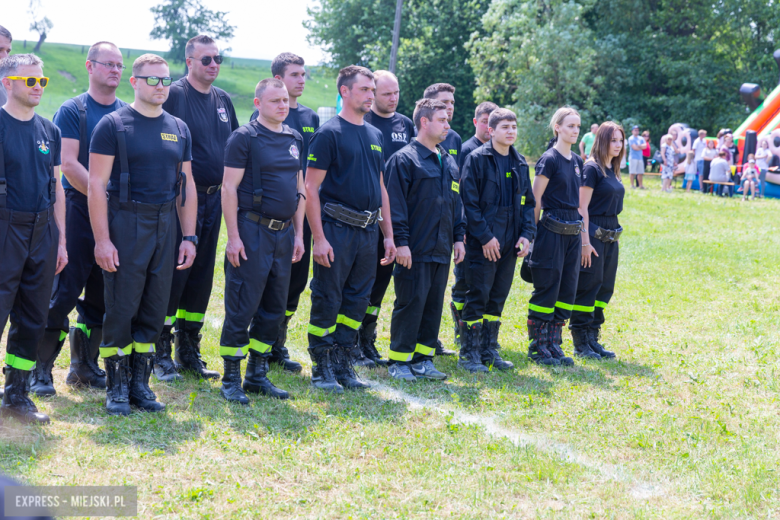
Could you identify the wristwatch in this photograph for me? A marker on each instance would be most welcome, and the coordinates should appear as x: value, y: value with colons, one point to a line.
x: 191, y: 238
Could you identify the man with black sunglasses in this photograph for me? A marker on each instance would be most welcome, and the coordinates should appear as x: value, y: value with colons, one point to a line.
x: 140, y: 156
x: 76, y: 119
x: 211, y: 118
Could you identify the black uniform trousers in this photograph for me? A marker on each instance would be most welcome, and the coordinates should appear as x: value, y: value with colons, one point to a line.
x: 419, y: 295
x: 256, y: 290
x: 299, y: 275
x: 137, y: 292
x: 28, y: 249
x: 340, y: 293
x: 384, y: 273
x: 555, y: 266
x: 597, y: 282
x: 460, y: 287
x: 489, y: 282
x: 81, y: 274
x: 191, y: 288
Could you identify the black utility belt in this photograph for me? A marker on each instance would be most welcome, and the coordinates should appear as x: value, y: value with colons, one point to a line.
x: 26, y: 217
x: 353, y: 218
x: 270, y: 223
x: 607, y: 235
x: 562, y: 227
x: 208, y: 190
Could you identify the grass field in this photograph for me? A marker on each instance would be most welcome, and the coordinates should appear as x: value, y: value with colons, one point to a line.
x: 683, y: 425
x: 64, y: 65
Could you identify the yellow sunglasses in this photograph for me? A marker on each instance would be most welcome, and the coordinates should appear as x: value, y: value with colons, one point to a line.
x: 30, y: 81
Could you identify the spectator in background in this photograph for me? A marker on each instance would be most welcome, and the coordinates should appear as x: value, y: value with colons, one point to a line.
x: 749, y: 177
x: 669, y: 157
x: 690, y: 171
x: 698, y: 147
x: 646, y: 153
x: 587, y: 142
x: 708, y: 154
x: 763, y: 156
x: 720, y: 169
x: 636, y: 166
x: 5, y: 50
x: 732, y: 155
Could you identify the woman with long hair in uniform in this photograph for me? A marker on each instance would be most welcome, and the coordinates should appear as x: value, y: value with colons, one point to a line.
x: 601, y: 201
x: 555, y: 257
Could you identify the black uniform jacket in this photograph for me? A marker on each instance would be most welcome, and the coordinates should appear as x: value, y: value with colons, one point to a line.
x: 426, y: 209
x: 480, y: 190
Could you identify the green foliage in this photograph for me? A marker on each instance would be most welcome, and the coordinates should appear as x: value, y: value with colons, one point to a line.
x: 431, y: 48
x: 179, y: 20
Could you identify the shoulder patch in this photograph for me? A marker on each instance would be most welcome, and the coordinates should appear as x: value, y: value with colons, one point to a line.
x: 453, y: 152
x: 170, y: 137
x: 376, y: 148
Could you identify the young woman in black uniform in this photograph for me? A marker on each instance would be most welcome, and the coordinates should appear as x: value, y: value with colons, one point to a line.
x: 555, y: 257
x: 601, y: 201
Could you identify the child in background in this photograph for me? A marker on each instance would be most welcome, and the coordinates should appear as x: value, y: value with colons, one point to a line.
x: 669, y: 158
x: 750, y: 175
x: 690, y: 171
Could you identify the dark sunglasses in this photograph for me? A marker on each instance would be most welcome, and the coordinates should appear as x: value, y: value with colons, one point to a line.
x: 153, y: 81
x: 206, y: 60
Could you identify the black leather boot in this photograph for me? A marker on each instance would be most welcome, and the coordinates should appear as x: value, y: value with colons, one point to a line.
x: 279, y: 353
x: 358, y: 358
x: 489, y: 347
x: 456, y: 323
x: 470, y: 338
x: 323, y: 373
x: 140, y: 393
x: 441, y: 351
x: 41, y: 383
x: 188, y: 355
x: 539, y: 339
x: 16, y: 399
x: 345, y: 372
x: 84, y: 370
x: 256, y: 378
x: 117, y: 385
x: 598, y: 348
x: 95, y: 339
x: 366, y: 340
x: 231, y: 383
x: 581, y: 346
x: 164, y: 366
x: 556, y: 340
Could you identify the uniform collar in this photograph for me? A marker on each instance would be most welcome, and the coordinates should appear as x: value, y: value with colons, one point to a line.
x: 426, y: 152
x: 487, y: 149
x: 285, y: 129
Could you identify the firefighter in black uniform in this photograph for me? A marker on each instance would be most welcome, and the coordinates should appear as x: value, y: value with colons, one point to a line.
x: 555, y: 257
x: 263, y: 183
x: 499, y: 205
x: 141, y: 157
x: 480, y: 137
x: 290, y: 68
x: 32, y: 226
x: 427, y: 221
x: 601, y: 201
x: 345, y: 192
x: 76, y: 119
x: 397, y: 131
x: 211, y: 119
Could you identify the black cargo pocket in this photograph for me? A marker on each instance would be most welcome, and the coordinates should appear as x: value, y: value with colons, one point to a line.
x: 404, y: 284
x: 234, y: 294
x: 109, y: 288
x: 545, y: 246
x: 598, y: 245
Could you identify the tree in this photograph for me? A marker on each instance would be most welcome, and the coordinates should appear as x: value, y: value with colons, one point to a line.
x: 179, y: 20
x: 432, y: 38
x: 40, y: 24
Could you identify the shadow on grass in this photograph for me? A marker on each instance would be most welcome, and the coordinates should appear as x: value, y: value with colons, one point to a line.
x: 619, y: 367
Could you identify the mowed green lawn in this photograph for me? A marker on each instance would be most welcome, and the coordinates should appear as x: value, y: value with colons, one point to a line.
x: 683, y: 425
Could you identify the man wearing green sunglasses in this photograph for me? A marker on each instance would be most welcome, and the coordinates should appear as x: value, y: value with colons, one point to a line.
x: 141, y: 156
x: 32, y: 226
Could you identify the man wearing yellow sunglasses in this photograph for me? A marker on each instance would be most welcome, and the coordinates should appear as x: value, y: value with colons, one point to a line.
x: 32, y: 226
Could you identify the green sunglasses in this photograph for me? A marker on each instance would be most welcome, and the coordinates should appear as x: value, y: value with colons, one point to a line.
x: 153, y: 81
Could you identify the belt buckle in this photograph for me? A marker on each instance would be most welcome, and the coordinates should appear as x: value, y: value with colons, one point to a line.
x: 368, y: 217
x: 276, y: 225
x: 211, y: 190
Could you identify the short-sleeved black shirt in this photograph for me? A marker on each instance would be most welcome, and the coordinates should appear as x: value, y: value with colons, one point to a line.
x: 453, y: 144
x: 397, y: 131
x: 154, y: 150
x: 352, y: 156
x: 30, y: 149
x: 305, y: 121
x: 608, y: 192
x: 468, y: 147
x: 504, y: 163
x: 281, y: 162
x: 563, y: 190
x: 68, y: 120
x: 211, y: 119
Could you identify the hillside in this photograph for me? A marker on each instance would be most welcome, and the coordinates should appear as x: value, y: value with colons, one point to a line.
x: 64, y: 65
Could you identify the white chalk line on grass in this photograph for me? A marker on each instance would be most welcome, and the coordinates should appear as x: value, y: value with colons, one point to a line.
x: 639, y: 490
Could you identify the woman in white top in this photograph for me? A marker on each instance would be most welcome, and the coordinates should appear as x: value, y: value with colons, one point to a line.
x: 763, y: 155
x: 707, y: 155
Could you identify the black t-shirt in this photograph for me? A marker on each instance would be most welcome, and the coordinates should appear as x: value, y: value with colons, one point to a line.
x: 68, y: 120
x: 281, y: 160
x: 352, y: 156
x: 397, y: 131
x: 468, y: 147
x: 504, y: 163
x: 734, y: 151
x: 453, y: 144
x: 30, y: 150
x: 563, y: 190
x: 154, y: 150
x: 608, y: 192
x: 305, y: 121
x: 211, y: 119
